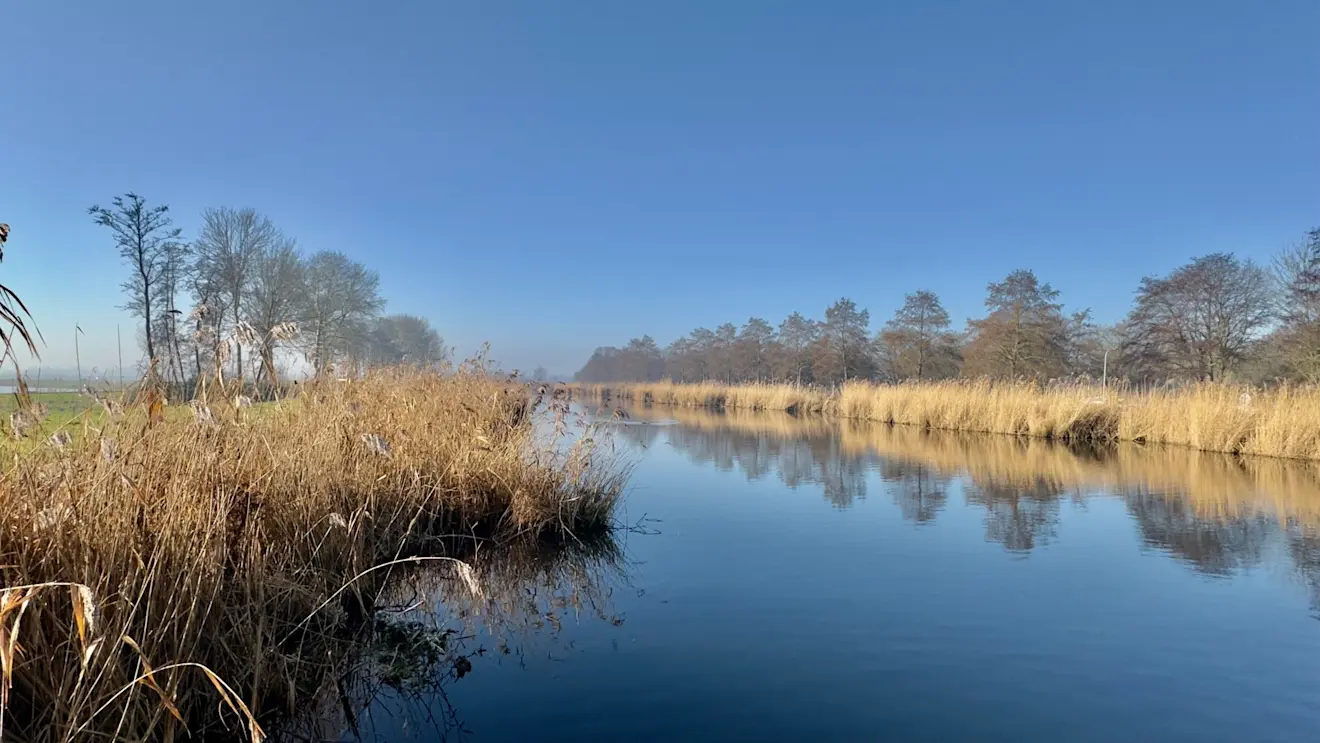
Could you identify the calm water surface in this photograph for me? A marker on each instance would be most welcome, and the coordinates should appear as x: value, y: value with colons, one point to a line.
x: 810, y: 580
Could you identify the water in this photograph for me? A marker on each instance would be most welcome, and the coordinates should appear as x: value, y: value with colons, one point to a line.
x: 807, y: 580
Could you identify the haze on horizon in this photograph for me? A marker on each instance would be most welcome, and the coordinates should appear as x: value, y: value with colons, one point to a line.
x: 556, y: 178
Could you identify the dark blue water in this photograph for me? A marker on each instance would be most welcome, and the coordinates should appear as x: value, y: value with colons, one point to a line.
x: 797, y: 580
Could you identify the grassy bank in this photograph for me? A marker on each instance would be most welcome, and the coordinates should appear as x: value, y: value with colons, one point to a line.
x: 195, y: 571
x: 1283, y: 422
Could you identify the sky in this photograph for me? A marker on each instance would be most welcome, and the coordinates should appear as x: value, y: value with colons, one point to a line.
x: 555, y: 176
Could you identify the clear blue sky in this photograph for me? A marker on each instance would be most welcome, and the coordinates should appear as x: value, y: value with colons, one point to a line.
x: 552, y: 176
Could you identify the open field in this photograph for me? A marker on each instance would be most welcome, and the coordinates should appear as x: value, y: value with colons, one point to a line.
x: 198, y: 569
x: 1281, y: 422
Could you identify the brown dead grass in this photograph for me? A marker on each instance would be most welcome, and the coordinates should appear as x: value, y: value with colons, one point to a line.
x: 216, y: 544
x: 1282, y: 422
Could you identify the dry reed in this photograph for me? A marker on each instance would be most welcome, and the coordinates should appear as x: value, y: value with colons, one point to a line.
x: 1281, y: 422
x: 211, y: 543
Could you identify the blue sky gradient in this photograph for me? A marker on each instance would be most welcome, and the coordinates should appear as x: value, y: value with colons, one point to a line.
x: 556, y: 176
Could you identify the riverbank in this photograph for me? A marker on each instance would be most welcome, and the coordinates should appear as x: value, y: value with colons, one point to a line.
x: 169, y: 571
x: 1282, y: 422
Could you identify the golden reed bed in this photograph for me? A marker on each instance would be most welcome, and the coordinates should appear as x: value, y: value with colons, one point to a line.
x: 170, y: 573
x: 1282, y: 422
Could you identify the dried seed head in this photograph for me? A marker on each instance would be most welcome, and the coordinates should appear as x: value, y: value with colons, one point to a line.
x: 108, y: 450
x: 376, y: 445
x: 201, y: 414
x: 245, y: 333
x: 51, y: 517
x: 60, y: 440
x: 19, y: 423
x: 284, y: 331
x: 242, y: 401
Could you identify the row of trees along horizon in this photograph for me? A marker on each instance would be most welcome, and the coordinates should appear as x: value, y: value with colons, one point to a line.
x: 242, y: 282
x: 1217, y: 318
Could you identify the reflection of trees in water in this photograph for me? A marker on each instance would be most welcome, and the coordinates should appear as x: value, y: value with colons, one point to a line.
x: 796, y: 461
x: 1217, y: 513
x: 1018, y: 517
x: 919, y: 490
x: 1212, y: 546
x: 432, y: 627
x: 1304, y: 548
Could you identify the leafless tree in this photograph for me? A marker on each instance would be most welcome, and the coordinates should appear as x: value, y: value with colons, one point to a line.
x: 1201, y: 319
x: 1297, y: 270
x: 175, y: 256
x: 1024, y: 333
x: 144, y: 236
x: 227, y: 252
x: 792, y: 359
x: 843, y: 351
x: 406, y: 339
x: 341, y: 299
x: 753, y: 349
x: 274, y: 299
x: 917, y: 341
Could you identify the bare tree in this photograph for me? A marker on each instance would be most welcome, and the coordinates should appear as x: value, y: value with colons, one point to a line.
x: 797, y: 335
x: 227, y: 252
x: 274, y: 300
x: 342, y: 297
x: 1024, y: 334
x: 1294, y: 348
x: 143, y: 236
x: 843, y: 350
x: 753, y: 349
x: 175, y: 255
x: 1297, y: 269
x: 1200, y: 320
x: 917, y: 341
x: 406, y: 339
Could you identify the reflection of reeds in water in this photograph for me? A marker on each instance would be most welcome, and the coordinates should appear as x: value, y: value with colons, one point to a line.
x: 1215, y: 486
x: 1215, y: 512
x: 1218, y: 486
x: 432, y: 627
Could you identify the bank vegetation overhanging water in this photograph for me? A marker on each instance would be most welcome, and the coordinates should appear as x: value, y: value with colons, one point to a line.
x: 1278, y: 422
x: 180, y: 570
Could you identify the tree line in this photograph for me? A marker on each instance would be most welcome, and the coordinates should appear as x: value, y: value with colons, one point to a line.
x: 1219, y: 317
x: 243, y: 285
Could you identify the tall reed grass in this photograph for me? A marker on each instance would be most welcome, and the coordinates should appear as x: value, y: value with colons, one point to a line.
x: 170, y: 572
x: 1280, y: 422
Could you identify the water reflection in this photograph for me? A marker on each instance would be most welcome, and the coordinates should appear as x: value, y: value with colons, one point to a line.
x: 433, y: 626
x: 1217, y: 513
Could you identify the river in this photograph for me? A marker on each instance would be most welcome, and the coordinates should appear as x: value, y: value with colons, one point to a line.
x: 806, y: 579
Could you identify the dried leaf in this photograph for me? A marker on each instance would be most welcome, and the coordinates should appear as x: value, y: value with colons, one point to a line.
x: 156, y: 407
x: 148, y: 678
